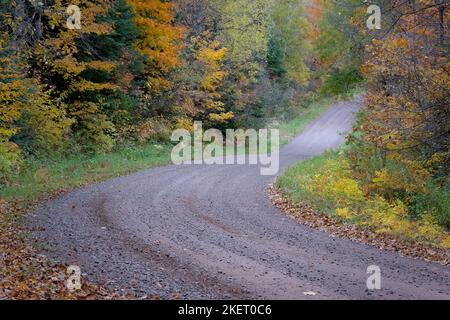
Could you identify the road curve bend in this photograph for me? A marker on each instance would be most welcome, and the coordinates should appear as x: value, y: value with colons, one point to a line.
x: 209, y: 232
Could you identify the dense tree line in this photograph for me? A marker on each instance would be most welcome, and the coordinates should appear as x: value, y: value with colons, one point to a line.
x: 136, y: 69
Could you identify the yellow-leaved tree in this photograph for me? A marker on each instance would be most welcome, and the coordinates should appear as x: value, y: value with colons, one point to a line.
x: 211, y: 55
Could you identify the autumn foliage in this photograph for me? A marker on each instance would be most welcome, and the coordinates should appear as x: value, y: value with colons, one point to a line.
x: 137, y: 69
x: 393, y: 174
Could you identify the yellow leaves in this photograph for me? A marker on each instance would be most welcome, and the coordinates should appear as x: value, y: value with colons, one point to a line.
x: 214, y: 105
x: 438, y: 158
x: 60, y: 52
x: 6, y: 132
x: 106, y: 66
x: 160, y: 11
x: 13, y: 95
x: 344, y: 213
x: 84, y: 85
x: 334, y: 182
x: 157, y: 83
x: 429, y: 228
x: 211, y: 55
x: 185, y: 123
x: 211, y: 80
x: 329, y: 185
x: 46, y: 120
x: 221, y: 117
x: 446, y: 242
x: 384, y: 182
x: 408, y: 84
x: 10, y: 105
x: 392, y: 219
x: 347, y: 188
x: 401, y: 176
x: 14, y: 91
x: 299, y: 72
x: 68, y: 66
x: 401, y: 43
x: 389, y: 218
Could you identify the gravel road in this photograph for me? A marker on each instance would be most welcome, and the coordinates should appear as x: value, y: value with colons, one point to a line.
x: 211, y: 232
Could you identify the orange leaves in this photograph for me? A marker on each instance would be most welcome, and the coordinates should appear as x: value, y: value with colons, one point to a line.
x: 160, y: 11
x: 408, y: 88
x: 221, y: 117
x: 314, y: 10
x: 160, y: 39
x: 13, y: 92
x: 405, y: 125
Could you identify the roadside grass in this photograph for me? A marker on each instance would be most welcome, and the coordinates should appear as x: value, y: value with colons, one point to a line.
x: 307, y: 115
x: 39, y: 177
x: 312, y: 111
x: 326, y: 183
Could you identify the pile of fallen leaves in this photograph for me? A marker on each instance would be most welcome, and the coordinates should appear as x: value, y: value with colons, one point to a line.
x: 304, y: 214
x: 25, y: 274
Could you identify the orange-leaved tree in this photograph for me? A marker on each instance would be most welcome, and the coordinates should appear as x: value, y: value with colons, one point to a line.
x: 159, y: 41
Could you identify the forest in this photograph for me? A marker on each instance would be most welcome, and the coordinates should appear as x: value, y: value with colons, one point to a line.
x: 123, y: 74
x: 137, y: 69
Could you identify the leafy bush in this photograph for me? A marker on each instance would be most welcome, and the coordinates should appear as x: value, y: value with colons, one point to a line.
x: 93, y: 130
x: 9, y: 160
x: 329, y: 184
x: 340, y: 82
x: 44, y: 125
x: 154, y: 129
x: 435, y: 200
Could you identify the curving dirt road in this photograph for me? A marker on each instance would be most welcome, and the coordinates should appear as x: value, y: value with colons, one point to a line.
x: 211, y: 232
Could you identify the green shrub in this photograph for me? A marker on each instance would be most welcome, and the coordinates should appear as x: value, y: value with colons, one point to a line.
x: 435, y: 201
x: 9, y: 160
x: 94, y: 132
x: 340, y: 82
